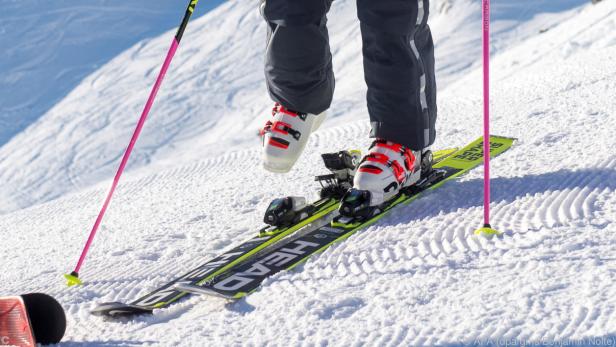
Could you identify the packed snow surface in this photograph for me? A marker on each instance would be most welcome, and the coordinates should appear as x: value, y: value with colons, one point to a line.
x: 417, y: 277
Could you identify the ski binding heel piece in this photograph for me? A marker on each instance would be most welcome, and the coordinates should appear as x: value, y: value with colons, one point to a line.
x: 343, y: 165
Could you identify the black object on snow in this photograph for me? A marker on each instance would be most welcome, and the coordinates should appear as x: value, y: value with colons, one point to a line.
x: 47, y: 318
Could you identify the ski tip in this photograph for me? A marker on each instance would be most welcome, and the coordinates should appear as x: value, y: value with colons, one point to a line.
x: 72, y: 279
x: 487, y: 232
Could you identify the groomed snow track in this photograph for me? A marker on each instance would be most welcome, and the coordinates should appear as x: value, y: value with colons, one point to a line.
x: 417, y: 277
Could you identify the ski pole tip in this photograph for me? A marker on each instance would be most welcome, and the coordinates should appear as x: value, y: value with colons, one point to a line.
x: 72, y: 279
x: 487, y: 231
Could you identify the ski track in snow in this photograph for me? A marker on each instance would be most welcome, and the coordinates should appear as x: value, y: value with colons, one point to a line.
x: 418, y: 276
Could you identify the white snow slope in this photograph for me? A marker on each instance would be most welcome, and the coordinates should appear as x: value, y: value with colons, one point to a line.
x: 417, y: 277
x: 214, y: 96
x: 50, y: 46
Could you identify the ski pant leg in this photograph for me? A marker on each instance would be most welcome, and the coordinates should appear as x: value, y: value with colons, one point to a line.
x: 399, y: 70
x: 298, y: 61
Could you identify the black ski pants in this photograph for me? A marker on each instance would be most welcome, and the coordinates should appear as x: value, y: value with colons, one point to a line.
x: 398, y: 54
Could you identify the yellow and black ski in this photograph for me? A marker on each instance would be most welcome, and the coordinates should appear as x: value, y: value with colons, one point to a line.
x: 245, y: 278
x: 308, y: 217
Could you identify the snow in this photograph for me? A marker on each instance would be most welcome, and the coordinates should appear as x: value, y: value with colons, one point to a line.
x: 214, y: 96
x: 50, y: 46
x: 417, y: 277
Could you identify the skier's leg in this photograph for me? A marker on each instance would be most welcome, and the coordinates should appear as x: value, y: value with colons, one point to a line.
x: 399, y: 70
x: 300, y: 79
x: 298, y: 61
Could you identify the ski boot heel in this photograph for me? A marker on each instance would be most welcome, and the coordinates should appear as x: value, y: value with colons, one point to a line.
x: 427, y: 160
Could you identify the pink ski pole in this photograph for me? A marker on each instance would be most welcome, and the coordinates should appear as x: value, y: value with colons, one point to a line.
x: 73, y: 277
x: 486, y: 230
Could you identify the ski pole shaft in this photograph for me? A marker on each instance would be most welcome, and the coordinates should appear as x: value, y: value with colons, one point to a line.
x: 163, y: 71
x: 486, y: 110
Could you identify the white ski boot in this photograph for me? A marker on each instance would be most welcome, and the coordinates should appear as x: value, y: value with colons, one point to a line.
x: 387, y: 169
x: 285, y: 136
